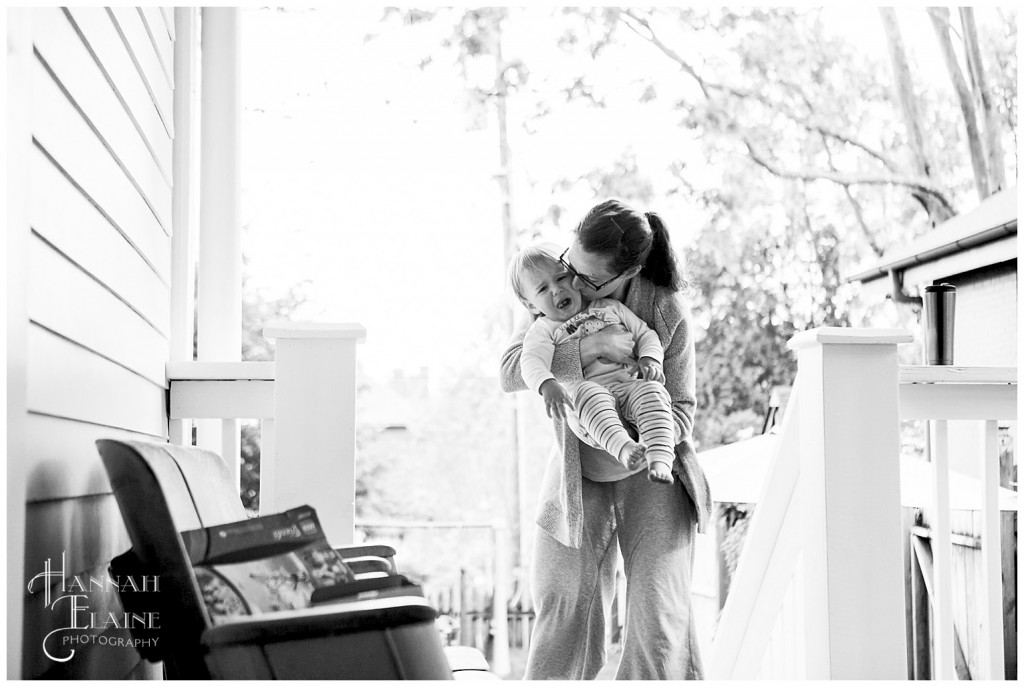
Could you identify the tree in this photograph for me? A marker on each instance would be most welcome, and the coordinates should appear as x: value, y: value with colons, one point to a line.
x: 903, y: 84
x: 798, y: 101
x: 980, y: 123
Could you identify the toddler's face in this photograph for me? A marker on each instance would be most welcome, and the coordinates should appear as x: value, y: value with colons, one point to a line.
x: 549, y: 292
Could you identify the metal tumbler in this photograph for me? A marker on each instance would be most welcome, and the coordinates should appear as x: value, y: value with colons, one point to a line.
x: 939, y: 307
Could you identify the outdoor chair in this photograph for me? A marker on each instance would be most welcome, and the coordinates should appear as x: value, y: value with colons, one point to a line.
x: 163, y: 489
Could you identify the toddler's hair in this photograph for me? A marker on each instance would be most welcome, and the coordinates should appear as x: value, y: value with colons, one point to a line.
x: 530, y: 260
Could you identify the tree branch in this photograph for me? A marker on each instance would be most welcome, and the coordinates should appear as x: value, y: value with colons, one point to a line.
x: 921, y: 186
x: 979, y: 164
x: 652, y: 38
x: 857, y: 211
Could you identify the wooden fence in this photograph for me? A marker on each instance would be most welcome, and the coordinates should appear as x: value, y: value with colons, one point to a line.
x: 466, y: 613
x: 466, y: 616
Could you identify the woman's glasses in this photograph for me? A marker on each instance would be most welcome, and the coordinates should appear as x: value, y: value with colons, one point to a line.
x: 582, y: 277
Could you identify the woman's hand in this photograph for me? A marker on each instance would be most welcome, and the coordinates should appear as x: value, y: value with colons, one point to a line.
x: 555, y: 398
x: 651, y: 369
x: 612, y: 344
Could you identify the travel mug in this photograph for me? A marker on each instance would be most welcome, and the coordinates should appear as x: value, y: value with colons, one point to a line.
x: 939, y: 306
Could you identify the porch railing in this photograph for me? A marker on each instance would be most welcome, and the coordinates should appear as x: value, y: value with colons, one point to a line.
x: 305, y: 402
x: 819, y: 589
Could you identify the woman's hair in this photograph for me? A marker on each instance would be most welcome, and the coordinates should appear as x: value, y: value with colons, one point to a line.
x: 530, y: 260
x: 630, y: 238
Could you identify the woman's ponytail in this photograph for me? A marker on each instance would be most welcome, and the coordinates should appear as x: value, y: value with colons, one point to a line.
x: 629, y: 238
x: 661, y: 266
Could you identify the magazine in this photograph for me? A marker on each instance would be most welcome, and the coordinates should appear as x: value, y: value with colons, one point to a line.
x: 265, y: 564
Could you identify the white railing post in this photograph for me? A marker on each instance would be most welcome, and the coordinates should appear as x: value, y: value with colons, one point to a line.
x: 849, y: 494
x: 944, y: 660
x: 313, y: 459
x: 991, y: 659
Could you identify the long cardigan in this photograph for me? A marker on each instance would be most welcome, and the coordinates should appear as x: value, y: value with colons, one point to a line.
x: 560, y: 511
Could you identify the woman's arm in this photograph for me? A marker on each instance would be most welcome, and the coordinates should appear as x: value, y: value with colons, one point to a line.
x: 571, y: 357
x: 673, y: 318
x: 565, y: 364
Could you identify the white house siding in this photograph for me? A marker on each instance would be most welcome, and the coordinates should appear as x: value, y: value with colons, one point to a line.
x: 97, y: 267
x: 985, y: 332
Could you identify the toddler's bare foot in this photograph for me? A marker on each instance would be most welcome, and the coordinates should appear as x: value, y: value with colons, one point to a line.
x: 632, y: 454
x: 660, y: 472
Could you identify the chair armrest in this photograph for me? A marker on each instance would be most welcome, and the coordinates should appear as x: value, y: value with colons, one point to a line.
x: 317, y: 621
x: 370, y: 564
x: 369, y: 558
x: 379, y: 550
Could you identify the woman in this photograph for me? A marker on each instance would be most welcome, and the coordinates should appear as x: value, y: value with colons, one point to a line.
x: 590, y: 502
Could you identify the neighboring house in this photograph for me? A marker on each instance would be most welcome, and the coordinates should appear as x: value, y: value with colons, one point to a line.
x: 977, y: 253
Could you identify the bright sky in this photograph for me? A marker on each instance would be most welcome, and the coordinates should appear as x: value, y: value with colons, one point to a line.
x: 374, y: 180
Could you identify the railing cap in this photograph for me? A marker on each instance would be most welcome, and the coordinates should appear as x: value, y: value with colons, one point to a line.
x: 315, y: 330
x: 187, y: 370
x: 848, y: 335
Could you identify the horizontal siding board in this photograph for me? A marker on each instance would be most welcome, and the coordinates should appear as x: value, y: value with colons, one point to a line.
x: 89, y: 530
x: 57, y: 110
x: 64, y: 459
x: 61, y: 48
x: 129, y: 26
x: 66, y: 300
x: 102, y: 40
x: 168, y: 16
x: 66, y: 380
x: 66, y: 219
x: 153, y: 21
x: 67, y: 140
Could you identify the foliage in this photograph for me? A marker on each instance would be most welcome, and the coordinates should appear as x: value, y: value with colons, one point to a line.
x: 258, y: 310
x: 733, y: 521
x: 445, y: 459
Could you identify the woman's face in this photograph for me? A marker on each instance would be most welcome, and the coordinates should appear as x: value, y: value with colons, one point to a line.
x: 593, y: 276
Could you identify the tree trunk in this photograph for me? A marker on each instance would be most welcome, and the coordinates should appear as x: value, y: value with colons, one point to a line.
x: 987, y: 118
x: 940, y: 22
x: 514, y: 507
x: 904, y: 88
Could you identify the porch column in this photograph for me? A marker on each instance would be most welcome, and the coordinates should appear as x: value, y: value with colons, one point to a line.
x: 849, y: 491
x: 314, y: 424
x: 219, y: 300
x: 185, y: 207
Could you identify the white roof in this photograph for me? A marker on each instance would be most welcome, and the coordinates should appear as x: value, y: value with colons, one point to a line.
x: 737, y: 472
x: 995, y: 219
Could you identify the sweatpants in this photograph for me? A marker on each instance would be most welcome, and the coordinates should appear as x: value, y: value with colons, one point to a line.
x: 654, y: 525
x: 645, y: 404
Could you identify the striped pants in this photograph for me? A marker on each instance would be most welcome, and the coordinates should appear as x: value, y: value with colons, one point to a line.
x: 644, y: 404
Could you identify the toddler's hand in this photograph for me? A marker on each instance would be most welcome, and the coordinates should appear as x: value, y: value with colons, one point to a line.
x: 651, y: 369
x: 555, y: 398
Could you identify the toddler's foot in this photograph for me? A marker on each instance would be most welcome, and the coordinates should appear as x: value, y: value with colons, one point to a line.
x: 632, y: 454
x: 660, y: 472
